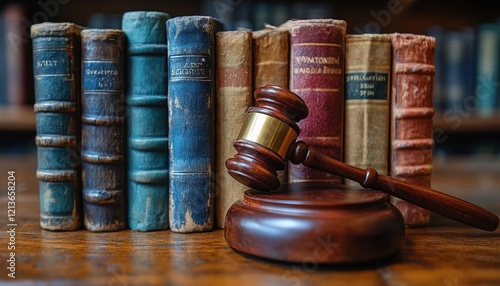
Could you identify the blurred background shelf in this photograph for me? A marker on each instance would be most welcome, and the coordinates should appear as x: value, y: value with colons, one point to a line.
x: 17, y: 118
x: 467, y: 123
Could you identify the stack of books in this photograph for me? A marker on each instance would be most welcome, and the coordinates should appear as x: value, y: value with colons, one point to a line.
x: 134, y: 124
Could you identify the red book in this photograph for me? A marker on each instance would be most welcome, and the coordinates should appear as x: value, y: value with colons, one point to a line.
x: 317, y: 75
x: 412, y: 110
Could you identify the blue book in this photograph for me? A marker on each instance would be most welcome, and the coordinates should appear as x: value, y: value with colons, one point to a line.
x: 147, y: 120
x: 56, y: 66
x: 103, y: 130
x: 455, y: 65
x: 191, y: 101
x: 487, y: 75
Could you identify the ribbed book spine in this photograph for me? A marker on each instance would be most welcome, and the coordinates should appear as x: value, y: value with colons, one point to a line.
x: 234, y: 96
x: 56, y: 66
x: 147, y: 120
x: 103, y: 130
x: 317, y: 76
x: 191, y: 101
x: 367, y: 98
x: 412, y: 107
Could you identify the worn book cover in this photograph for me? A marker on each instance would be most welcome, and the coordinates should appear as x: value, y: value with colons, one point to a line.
x: 147, y: 119
x: 234, y: 96
x: 367, y: 98
x: 191, y: 122
x: 56, y: 69
x: 412, y: 109
x: 317, y: 52
x: 103, y: 130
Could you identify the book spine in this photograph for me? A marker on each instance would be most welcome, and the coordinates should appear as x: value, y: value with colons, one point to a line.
x: 234, y: 96
x: 456, y: 77
x: 56, y: 65
x: 103, y: 130
x: 191, y: 101
x: 367, y: 109
x: 317, y: 75
x: 147, y: 118
x: 412, y: 110
x: 271, y: 48
x: 488, y: 74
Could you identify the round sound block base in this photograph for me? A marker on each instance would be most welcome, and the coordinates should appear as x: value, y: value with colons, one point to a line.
x: 315, y: 223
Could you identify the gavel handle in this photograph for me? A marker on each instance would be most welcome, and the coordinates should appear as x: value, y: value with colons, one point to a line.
x: 440, y: 203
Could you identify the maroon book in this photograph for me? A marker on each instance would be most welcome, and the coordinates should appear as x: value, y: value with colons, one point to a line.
x: 317, y: 76
x: 411, y: 124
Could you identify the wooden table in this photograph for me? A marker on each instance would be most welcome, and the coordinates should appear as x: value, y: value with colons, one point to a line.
x: 444, y: 253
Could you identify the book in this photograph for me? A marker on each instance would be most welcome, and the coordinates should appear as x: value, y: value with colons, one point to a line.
x: 455, y: 47
x: 317, y: 51
x: 56, y: 70
x: 191, y: 117
x: 487, y: 73
x: 271, y: 48
x: 411, y: 135
x: 439, y: 97
x: 367, y: 98
x: 147, y: 134
x: 17, y: 55
x: 233, y: 97
x: 103, y: 130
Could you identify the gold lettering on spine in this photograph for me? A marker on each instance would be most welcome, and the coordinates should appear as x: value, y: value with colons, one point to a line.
x: 268, y: 132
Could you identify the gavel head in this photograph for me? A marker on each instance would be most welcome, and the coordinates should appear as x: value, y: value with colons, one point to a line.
x: 266, y: 137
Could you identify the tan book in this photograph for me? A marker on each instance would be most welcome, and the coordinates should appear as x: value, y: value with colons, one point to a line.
x: 367, y: 97
x: 270, y: 57
x: 270, y: 62
x: 412, y: 110
x: 234, y: 96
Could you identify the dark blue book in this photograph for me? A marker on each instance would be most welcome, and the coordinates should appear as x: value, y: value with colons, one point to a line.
x: 455, y: 65
x: 56, y: 66
x: 191, y: 101
x: 103, y: 130
x: 147, y: 120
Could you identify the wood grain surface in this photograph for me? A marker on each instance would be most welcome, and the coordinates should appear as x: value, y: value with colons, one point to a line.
x: 443, y: 253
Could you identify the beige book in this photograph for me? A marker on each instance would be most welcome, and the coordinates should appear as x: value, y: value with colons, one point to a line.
x: 367, y: 102
x: 270, y: 62
x: 233, y: 97
x: 270, y: 57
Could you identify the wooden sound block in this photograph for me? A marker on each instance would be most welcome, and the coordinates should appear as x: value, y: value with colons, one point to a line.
x: 311, y: 222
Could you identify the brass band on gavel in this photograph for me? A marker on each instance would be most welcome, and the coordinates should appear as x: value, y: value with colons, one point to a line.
x: 268, y: 132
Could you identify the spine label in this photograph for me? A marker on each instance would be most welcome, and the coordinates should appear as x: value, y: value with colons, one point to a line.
x: 320, y: 63
x: 102, y: 75
x: 369, y: 85
x: 190, y: 66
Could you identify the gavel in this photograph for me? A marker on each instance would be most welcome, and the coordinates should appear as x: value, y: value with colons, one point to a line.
x: 267, y: 140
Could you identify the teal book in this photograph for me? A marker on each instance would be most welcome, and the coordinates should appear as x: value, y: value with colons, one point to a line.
x: 147, y: 120
x: 103, y: 130
x: 191, y: 102
x: 56, y: 66
x: 487, y: 69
